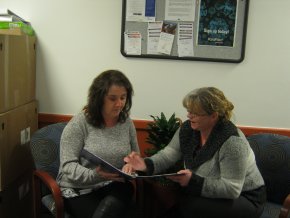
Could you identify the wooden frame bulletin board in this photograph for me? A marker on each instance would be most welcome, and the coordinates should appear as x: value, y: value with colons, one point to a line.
x: 217, y: 30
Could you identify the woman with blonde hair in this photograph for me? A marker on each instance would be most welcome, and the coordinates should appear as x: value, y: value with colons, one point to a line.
x: 221, y: 178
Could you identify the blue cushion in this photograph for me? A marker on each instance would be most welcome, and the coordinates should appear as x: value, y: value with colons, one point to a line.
x: 44, y: 146
x: 272, y: 153
x: 271, y: 210
x: 49, y: 203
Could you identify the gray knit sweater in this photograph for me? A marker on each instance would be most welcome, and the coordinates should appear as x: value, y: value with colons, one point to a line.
x: 112, y: 144
x: 224, y: 168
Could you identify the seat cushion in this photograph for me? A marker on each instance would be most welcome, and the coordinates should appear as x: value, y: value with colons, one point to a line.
x: 49, y: 203
x: 271, y: 210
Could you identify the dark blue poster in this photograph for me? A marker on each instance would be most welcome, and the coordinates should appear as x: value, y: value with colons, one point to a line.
x: 217, y: 21
x: 150, y: 8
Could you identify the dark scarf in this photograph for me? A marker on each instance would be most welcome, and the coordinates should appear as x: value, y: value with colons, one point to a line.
x: 195, y: 156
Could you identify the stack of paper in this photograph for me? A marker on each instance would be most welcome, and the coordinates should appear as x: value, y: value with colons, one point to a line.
x: 12, y: 24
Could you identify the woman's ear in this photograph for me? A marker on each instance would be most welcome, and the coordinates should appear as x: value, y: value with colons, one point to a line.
x: 215, y: 115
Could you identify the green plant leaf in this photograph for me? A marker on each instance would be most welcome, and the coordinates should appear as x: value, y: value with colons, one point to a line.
x: 160, y: 132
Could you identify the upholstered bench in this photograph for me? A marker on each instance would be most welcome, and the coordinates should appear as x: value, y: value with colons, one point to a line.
x: 272, y: 153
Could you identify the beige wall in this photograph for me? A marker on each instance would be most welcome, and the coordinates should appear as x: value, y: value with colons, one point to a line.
x: 77, y: 39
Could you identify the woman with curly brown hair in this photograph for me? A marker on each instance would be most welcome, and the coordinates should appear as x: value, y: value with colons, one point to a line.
x: 105, y: 129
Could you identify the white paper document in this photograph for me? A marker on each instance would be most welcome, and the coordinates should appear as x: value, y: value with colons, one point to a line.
x: 135, y: 10
x: 185, y: 40
x: 133, y: 44
x: 166, y: 37
x: 153, y: 35
x: 180, y: 10
x: 138, y: 10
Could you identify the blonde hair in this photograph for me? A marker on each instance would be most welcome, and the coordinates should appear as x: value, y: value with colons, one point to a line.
x: 209, y: 100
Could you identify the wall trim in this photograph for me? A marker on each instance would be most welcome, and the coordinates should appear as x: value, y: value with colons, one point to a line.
x: 141, y: 125
x: 46, y: 119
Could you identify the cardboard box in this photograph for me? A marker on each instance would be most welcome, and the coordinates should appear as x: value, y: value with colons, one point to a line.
x: 16, y: 200
x: 16, y: 128
x: 17, y: 70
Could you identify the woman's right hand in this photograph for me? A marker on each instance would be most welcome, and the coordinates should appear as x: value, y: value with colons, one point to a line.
x: 136, y: 161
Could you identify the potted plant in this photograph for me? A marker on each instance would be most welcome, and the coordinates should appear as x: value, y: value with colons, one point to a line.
x: 160, y: 133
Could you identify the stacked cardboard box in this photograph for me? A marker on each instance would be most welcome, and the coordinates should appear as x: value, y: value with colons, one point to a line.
x: 16, y: 199
x: 18, y: 121
x: 17, y: 71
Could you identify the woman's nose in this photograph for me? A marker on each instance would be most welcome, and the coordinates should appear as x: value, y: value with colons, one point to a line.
x: 119, y: 102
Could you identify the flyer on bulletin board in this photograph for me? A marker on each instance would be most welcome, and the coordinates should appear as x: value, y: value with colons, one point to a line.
x: 217, y: 22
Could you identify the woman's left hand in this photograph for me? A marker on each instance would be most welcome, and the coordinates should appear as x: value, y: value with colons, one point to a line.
x: 183, y: 180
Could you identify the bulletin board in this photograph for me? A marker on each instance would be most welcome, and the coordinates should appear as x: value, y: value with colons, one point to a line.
x: 218, y: 29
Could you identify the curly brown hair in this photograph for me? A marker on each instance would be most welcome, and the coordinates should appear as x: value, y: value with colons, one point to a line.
x: 97, y: 91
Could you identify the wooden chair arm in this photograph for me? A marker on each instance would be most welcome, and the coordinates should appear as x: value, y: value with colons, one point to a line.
x: 50, y: 183
x: 284, y: 212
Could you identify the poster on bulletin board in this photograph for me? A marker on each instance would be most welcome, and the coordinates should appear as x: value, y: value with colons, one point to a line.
x: 198, y: 30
